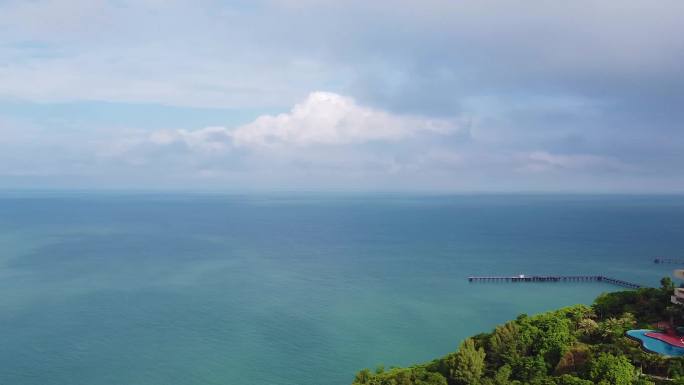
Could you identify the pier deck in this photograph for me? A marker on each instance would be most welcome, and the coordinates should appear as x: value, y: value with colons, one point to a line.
x: 555, y: 278
x: 677, y: 261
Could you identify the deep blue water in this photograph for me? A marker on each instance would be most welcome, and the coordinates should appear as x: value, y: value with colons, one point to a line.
x: 305, y: 289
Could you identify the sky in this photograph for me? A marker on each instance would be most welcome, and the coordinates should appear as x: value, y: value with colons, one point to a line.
x: 430, y: 95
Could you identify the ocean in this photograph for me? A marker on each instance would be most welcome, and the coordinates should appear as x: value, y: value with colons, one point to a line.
x: 112, y: 288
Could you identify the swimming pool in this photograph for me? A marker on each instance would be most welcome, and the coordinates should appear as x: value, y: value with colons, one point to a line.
x: 655, y: 345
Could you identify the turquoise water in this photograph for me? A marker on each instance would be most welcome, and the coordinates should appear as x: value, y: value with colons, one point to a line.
x: 305, y: 289
x: 655, y: 345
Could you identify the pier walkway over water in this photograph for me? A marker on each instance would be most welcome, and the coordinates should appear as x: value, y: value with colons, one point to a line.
x: 668, y: 260
x: 555, y: 278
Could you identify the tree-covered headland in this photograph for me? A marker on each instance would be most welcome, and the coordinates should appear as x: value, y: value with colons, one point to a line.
x: 577, y: 345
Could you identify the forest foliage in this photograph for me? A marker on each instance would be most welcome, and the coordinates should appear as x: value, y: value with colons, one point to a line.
x: 576, y: 345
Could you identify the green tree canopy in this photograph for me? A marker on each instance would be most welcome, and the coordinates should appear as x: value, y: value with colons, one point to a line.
x: 612, y: 370
x: 400, y: 376
x: 666, y: 284
x: 467, y: 364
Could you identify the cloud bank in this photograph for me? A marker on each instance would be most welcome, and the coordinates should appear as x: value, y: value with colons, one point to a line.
x: 323, y: 118
x: 437, y: 94
x: 328, y: 118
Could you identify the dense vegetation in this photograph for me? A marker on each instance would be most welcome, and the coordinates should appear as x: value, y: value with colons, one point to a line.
x: 577, y: 345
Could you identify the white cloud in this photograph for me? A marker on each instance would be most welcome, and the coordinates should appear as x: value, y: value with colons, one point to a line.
x: 323, y: 118
x: 328, y: 118
x: 205, y: 139
x: 542, y: 161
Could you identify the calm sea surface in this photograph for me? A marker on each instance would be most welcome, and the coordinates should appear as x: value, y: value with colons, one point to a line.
x: 304, y: 289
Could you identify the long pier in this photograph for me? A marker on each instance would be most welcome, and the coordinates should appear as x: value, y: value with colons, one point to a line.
x: 555, y: 278
x: 668, y: 260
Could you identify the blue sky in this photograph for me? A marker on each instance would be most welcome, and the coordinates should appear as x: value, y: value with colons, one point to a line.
x: 433, y: 95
